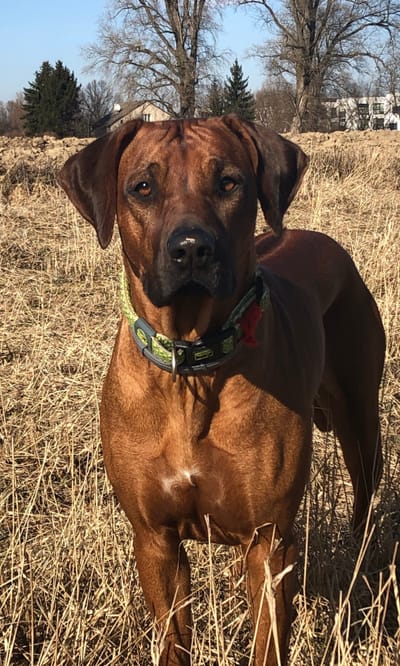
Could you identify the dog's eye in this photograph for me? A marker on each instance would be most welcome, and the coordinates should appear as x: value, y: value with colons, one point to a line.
x: 143, y: 189
x: 227, y: 184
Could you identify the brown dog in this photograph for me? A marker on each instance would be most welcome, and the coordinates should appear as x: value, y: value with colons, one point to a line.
x: 229, y: 350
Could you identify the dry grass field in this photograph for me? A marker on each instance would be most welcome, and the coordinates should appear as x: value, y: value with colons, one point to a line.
x: 69, y: 593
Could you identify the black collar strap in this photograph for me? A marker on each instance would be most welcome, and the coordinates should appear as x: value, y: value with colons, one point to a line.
x: 205, y: 354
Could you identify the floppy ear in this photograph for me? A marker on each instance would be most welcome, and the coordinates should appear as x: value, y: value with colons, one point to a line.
x: 279, y: 166
x: 90, y: 179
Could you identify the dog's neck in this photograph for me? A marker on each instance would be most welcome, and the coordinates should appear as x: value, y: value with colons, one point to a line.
x: 189, y: 316
x: 205, y: 351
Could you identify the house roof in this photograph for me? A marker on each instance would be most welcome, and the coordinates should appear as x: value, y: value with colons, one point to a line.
x: 119, y: 111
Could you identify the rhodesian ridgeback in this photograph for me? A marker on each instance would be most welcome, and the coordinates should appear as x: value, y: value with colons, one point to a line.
x: 229, y: 349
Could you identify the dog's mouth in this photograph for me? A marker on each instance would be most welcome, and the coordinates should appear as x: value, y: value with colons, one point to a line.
x: 165, y: 290
x: 194, y: 289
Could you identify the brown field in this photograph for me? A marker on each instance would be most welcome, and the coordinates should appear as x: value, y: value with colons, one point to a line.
x: 69, y: 593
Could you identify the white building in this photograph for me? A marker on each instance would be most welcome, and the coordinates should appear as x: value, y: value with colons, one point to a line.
x: 361, y: 113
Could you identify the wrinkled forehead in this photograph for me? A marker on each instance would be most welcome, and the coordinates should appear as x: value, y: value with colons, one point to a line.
x: 191, y: 141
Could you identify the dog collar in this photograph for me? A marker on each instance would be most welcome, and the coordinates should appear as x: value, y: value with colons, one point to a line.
x: 205, y: 354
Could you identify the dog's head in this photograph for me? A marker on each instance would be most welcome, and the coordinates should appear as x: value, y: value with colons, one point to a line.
x: 185, y: 196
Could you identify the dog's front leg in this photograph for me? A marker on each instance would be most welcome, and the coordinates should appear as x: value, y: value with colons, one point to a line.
x: 271, y: 585
x: 164, y: 574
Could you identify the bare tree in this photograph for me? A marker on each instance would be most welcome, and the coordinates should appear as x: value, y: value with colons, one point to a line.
x: 314, y: 39
x: 389, y: 71
x: 11, y: 116
x: 3, y: 119
x: 16, y: 115
x: 160, y: 48
x: 275, y: 105
x: 96, y: 101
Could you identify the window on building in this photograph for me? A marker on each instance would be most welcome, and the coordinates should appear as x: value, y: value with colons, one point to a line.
x: 363, y: 124
x: 146, y: 117
x: 342, y: 119
x: 378, y: 124
x: 396, y: 109
x: 393, y: 126
x: 333, y: 112
x: 377, y: 107
x: 363, y: 110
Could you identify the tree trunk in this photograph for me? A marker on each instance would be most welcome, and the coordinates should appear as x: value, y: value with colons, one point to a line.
x: 305, y: 21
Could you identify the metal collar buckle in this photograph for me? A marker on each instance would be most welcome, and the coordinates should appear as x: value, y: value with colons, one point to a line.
x: 174, y: 364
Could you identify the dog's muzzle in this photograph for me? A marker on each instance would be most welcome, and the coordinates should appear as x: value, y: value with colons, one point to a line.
x: 191, y: 260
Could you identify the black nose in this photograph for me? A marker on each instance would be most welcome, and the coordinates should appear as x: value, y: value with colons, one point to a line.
x: 193, y: 248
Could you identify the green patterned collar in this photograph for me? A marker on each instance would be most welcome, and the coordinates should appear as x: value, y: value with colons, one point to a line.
x: 180, y: 357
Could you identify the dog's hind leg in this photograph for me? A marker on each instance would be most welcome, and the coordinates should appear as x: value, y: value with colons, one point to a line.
x: 355, y: 355
x: 358, y: 431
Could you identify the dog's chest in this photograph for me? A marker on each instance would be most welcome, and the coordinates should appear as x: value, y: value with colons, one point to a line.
x: 227, y: 479
x: 191, y: 496
x: 205, y: 455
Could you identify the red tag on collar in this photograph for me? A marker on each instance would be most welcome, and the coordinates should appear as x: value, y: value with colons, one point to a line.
x: 248, y: 324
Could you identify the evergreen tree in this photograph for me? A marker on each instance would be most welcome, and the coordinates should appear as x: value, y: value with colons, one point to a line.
x: 238, y: 98
x: 34, y: 102
x: 215, y: 99
x: 51, y: 101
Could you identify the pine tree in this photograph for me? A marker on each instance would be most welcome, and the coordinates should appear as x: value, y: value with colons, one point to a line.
x: 51, y: 101
x: 34, y: 101
x: 238, y: 98
x: 216, y: 98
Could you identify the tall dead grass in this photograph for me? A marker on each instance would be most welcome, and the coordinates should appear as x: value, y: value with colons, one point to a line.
x: 69, y: 592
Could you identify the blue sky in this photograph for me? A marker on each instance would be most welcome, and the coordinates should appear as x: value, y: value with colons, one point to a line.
x: 32, y: 31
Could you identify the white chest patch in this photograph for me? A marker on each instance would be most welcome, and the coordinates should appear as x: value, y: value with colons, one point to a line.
x: 181, y: 479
